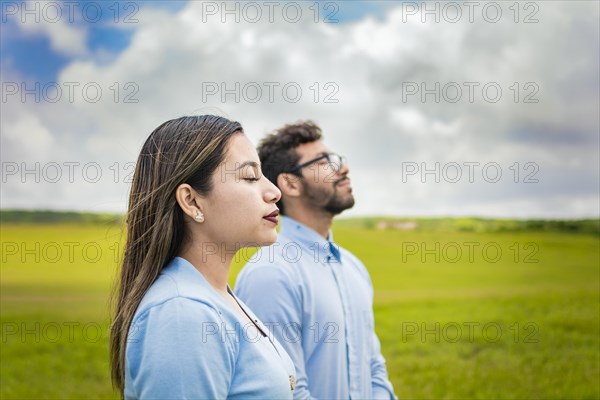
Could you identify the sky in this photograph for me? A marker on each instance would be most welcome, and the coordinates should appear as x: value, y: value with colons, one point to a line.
x: 441, y: 108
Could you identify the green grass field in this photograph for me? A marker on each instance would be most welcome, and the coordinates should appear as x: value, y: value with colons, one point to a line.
x: 460, y: 313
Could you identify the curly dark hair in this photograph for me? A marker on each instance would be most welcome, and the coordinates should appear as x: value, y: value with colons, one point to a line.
x: 277, y: 151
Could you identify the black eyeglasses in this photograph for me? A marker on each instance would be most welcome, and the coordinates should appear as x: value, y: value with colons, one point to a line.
x: 335, y: 162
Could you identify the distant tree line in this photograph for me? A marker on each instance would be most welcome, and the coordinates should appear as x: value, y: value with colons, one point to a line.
x: 57, y: 217
x: 470, y: 224
x: 458, y: 224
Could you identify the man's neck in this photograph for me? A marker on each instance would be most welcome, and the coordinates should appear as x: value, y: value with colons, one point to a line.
x: 319, y: 221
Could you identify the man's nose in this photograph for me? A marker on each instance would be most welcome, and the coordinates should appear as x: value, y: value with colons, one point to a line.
x: 344, y: 169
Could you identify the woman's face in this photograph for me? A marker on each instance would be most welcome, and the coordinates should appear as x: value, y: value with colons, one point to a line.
x: 240, y: 210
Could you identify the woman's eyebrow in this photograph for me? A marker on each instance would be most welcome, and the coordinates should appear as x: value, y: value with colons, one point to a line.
x: 249, y: 163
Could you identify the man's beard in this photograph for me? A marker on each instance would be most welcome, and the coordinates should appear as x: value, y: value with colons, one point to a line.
x: 335, y: 202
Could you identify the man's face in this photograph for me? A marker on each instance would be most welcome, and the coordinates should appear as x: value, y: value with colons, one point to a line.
x: 324, y: 187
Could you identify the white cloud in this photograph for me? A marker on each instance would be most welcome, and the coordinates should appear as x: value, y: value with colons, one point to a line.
x: 367, y: 63
x: 412, y: 121
x: 53, y: 22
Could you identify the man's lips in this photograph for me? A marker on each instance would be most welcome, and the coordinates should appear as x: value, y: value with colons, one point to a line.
x: 272, y: 217
x: 343, y: 182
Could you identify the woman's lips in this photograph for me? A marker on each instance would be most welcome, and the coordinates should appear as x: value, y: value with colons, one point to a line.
x: 272, y: 217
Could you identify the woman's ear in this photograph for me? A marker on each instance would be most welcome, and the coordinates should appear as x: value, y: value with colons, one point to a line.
x: 190, y: 202
x: 289, y: 184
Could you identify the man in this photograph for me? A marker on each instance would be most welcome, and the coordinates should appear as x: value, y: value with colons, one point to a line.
x: 315, y: 296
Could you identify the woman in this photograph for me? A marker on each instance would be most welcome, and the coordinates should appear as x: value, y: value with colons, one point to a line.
x: 197, y: 196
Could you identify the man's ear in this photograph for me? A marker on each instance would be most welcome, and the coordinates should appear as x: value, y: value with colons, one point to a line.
x: 189, y: 200
x: 289, y: 184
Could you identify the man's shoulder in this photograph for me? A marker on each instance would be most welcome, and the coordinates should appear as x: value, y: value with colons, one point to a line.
x: 269, y: 260
x: 349, y: 258
x: 349, y: 255
x: 282, y: 262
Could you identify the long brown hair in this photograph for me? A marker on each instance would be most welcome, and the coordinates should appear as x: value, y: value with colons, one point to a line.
x: 183, y: 150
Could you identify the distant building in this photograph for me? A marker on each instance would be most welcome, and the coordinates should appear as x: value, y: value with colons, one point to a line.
x: 398, y: 225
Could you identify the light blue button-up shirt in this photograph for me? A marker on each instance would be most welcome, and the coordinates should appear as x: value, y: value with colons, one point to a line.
x: 187, y: 342
x: 317, y: 298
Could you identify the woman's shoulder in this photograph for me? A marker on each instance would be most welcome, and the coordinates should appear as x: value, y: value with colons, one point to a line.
x: 181, y: 286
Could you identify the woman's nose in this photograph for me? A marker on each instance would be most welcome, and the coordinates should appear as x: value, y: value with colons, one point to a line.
x: 272, y: 193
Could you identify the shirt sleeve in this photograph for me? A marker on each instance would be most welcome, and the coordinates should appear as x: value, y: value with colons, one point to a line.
x: 175, y: 350
x: 381, y: 386
x: 269, y: 293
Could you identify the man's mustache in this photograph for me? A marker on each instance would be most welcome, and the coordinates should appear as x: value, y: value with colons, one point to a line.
x: 345, y: 178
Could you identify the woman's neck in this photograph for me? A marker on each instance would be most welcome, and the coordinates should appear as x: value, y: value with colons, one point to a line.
x: 211, y: 260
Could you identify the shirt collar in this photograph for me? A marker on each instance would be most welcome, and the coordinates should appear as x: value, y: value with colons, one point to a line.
x: 188, y: 279
x: 309, y: 238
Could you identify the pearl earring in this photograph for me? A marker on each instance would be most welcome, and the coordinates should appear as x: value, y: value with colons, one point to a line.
x: 199, y: 216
